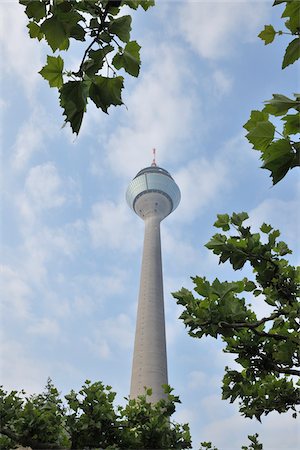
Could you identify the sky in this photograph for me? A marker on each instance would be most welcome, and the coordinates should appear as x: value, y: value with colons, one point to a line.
x: 71, y: 247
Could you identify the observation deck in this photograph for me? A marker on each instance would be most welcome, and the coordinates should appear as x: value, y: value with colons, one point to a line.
x: 153, y: 179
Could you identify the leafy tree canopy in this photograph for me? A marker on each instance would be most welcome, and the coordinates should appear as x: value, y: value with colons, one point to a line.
x: 108, y: 49
x: 279, y: 147
x: 89, y: 419
x: 267, y: 349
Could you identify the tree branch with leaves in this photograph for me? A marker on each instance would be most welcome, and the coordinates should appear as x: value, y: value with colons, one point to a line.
x: 267, y: 349
x: 109, y: 50
x: 280, y: 148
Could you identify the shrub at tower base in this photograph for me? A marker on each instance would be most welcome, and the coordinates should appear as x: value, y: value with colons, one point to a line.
x: 266, y: 349
x: 88, y: 419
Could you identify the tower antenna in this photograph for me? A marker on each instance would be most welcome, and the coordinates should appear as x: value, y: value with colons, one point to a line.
x: 154, y: 155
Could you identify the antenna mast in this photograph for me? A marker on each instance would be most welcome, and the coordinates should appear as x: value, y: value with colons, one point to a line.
x: 154, y: 155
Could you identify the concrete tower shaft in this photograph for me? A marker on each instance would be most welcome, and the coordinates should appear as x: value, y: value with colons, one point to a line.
x: 153, y: 195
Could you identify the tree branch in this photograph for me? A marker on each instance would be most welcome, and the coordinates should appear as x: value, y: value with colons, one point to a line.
x: 279, y: 337
x: 102, y: 16
x: 253, y: 326
x: 249, y: 324
x: 28, y: 442
x: 286, y: 370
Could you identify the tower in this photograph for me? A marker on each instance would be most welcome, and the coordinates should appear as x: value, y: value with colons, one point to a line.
x: 153, y: 195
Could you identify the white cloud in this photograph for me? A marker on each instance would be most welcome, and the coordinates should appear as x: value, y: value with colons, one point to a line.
x: 43, y: 186
x: 197, y: 379
x: 200, y: 181
x: 160, y: 113
x: 22, y: 55
x: 98, y: 347
x: 181, y: 253
x: 113, y: 225
x: 184, y: 415
x: 19, y: 370
x: 15, y: 294
x: 119, y: 330
x: 44, y: 189
x: 103, y: 286
x: 111, y: 335
x: 83, y: 305
x: 213, y: 29
x: 41, y: 247
x: 44, y: 327
x: 223, y: 82
x: 31, y: 137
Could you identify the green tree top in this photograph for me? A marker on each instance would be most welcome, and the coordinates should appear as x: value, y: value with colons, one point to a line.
x: 89, y: 419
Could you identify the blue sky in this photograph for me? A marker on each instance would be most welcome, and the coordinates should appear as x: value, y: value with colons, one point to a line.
x: 71, y: 247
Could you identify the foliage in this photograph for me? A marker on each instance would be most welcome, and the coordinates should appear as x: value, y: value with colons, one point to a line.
x: 151, y: 424
x: 280, y: 149
x: 37, y: 419
x: 255, y: 445
x: 89, y: 419
x: 267, y: 349
x: 109, y: 49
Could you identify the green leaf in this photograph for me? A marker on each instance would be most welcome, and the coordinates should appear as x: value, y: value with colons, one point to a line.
x: 238, y: 219
x: 280, y: 104
x: 149, y: 391
x: 268, y: 34
x: 282, y: 249
x: 266, y: 228
x: 55, y: 33
x: 93, y: 65
x: 52, y: 71
x: 216, y: 243
x: 250, y: 286
x: 278, y: 159
x: 106, y: 92
x: 134, y: 4
x: 63, y: 6
x: 222, y: 222
x: 292, y: 8
x: 69, y: 20
x: 145, y: 4
x: 292, y: 11
x: 36, y: 10
x: 35, y: 31
x: 262, y: 135
x: 292, y: 53
x: 78, y: 33
x: 273, y: 236
x: 121, y: 27
x: 202, y: 286
x: 129, y: 59
x: 73, y: 99
x: 238, y: 261
x: 255, y: 117
x: 292, y: 124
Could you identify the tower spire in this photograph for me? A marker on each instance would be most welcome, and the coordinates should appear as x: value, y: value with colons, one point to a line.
x: 154, y: 156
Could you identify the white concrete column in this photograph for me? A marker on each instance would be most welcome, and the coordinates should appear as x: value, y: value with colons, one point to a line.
x: 149, y: 366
